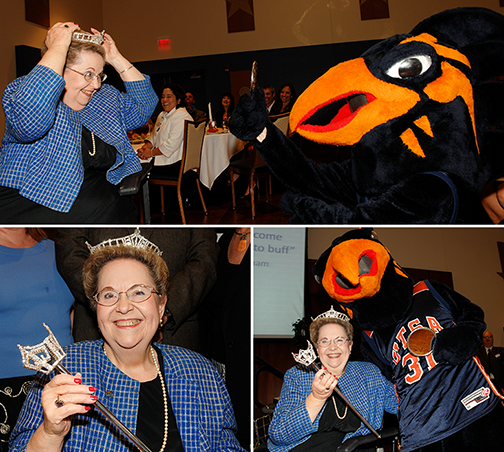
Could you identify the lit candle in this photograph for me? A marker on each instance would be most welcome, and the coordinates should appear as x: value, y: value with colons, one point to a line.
x: 210, y: 111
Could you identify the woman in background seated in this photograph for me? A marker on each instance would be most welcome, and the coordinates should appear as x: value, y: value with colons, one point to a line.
x: 172, y: 398
x: 32, y: 290
x: 166, y: 143
x: 65, y: 148
x: 310, y: 415
x: 287, y: 97
x: 227, y: 105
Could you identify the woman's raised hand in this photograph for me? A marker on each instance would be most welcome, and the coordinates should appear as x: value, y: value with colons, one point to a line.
x: 323, y: 384
x: 112, y: 53
x: 63, y: 397
x: 57, y: 41
x: 60, y: 36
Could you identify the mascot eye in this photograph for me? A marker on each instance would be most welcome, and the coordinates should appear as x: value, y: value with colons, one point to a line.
x: 410, y: 67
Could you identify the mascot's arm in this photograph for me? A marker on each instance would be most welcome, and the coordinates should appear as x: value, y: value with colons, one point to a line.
x: 328, y: 183
x: 324, y: 193
x: 422, y: 198
x: 459, y: 343
x: 369, y: 355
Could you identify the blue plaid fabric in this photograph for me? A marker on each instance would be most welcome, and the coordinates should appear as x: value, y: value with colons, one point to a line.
x: 41, y: 149
x: 199, y: 397
x: 362, y: 383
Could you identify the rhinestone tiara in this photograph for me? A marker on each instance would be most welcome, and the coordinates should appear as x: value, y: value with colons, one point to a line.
x: 332, y: 314
x: 86, y: 37
x: 306, y: 357
x: 136, y: 240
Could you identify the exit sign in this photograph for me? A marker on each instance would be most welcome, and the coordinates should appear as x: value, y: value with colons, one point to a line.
x: 164, y: 43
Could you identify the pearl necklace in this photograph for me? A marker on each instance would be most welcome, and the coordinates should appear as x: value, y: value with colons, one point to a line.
x: 334, y: 401
x: 336, y: 409
x: 165, y: 398
x: 94, y: 148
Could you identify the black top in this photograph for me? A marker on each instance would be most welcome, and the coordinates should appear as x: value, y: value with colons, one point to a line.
x: 98, y: 200
x: 150, y: 421
x: 331, y: 430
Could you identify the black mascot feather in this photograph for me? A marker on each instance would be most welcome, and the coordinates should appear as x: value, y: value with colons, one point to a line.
x: 424, y: 337
x: 421, y: 114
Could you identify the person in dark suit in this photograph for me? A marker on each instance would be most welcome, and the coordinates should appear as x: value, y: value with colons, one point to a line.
x: 492, y: 359
x: 225, y: 324
x: 191, y: 255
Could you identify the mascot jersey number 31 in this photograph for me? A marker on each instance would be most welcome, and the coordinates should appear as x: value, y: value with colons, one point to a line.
x: 422, y: 114
x: 425, y: 338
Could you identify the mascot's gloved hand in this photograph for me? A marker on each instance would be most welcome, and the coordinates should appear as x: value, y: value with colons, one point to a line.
x: 250, y: 116
x: 455, y: 345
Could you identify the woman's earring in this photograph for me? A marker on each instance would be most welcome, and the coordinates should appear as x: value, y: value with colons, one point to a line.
x: 161, y: 323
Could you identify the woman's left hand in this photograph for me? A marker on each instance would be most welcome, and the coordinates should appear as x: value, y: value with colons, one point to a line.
x: 111, y: 51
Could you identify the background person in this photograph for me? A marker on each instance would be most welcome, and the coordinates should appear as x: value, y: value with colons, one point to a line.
x: 61, y: 157
x: 269, y: 94
x: 166, y: 395
x: 492, y: 359
x: 287, y: 98
x: 226, y: 107
x: 197, y: 115
x: 309, y: 415
x: 166, y: 143
x: 32, y: 289
x: 225, y: 323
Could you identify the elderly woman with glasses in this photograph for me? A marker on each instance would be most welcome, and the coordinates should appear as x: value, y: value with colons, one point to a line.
x: 310, y: 415
x: 65, y: 148
x: 169, y: 397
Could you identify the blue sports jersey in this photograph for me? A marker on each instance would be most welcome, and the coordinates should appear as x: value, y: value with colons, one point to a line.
x: 435, y: 399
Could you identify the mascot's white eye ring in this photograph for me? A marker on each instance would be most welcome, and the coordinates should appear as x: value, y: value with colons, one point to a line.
x: 410, y: 67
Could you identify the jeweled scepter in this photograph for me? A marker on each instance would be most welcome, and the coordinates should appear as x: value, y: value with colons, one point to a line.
x: 47, y: 356
x: 307, y: 358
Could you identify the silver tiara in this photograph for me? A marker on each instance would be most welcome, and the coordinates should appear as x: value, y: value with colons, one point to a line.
x: 86, y: 37
x: 332, y: 314
x: 136, y: 240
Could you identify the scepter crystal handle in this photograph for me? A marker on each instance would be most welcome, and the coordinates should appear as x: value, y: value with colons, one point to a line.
x: 307, y: 358
x: 47, y: 356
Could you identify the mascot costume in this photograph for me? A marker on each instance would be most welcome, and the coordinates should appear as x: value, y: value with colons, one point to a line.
x: 422, y: 115
x: 425, y: 338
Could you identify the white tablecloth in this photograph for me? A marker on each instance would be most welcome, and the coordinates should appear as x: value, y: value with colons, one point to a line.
x: 218, y: 148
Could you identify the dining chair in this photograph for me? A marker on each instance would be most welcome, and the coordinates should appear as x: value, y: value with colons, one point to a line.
x: 194, y: 132
x: 254, y: 167
x: 281, y: 121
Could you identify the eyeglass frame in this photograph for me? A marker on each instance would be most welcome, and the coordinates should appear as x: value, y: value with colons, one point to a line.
x: 330, y: 341
x: 96, y: 76
x: 152, y: 290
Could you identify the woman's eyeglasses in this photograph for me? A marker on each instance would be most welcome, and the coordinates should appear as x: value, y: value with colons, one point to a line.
x: 136, y: 294
x: 89, y: 76
x: 339, y: 341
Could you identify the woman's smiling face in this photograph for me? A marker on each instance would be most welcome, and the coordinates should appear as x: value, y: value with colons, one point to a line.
x: 333, y: 356
x: 286, y: 95
x: 78, y: 91
x: 127, y: 324
x: 168, y: 100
